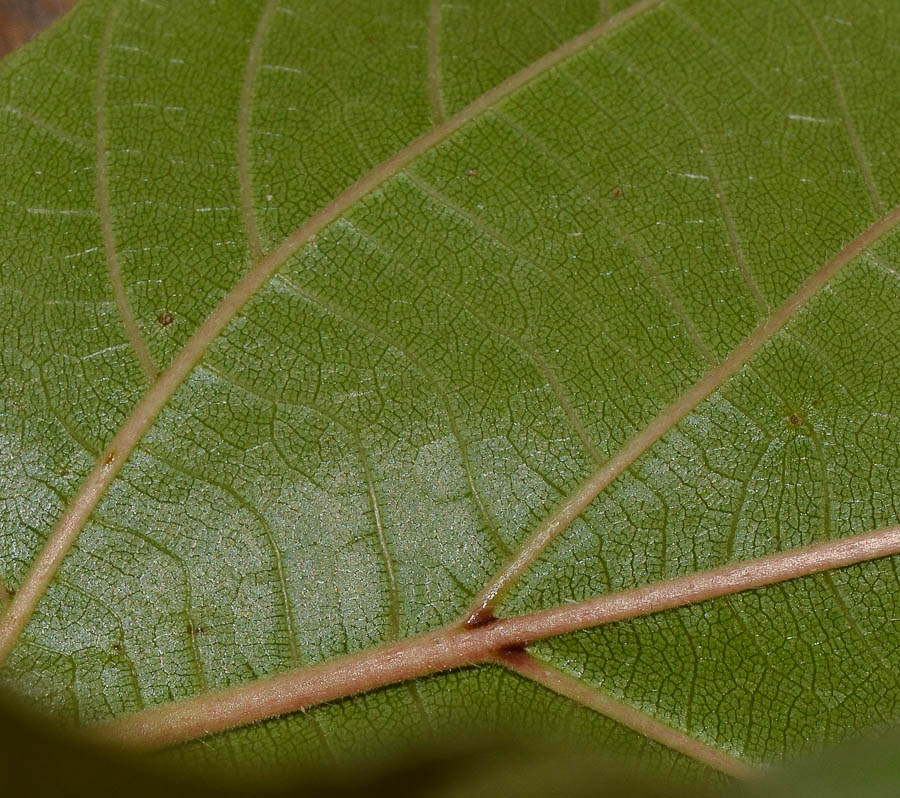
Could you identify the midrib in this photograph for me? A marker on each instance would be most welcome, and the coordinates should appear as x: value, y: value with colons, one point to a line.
x: 456, y: 646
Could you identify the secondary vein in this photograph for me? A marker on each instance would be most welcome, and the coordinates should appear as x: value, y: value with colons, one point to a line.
x: 661, y: 424
x: 530, y: 667
x: 114, y: 456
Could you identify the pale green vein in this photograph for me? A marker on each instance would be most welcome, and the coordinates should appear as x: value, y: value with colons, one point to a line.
x: 57, y: 133
x: 742, y: 497
x: 855, y: 628
x: 859, y: 154
x: 263, y: 526
x: 586, y: 307
x: 394, y: 612
x: 715, y: 182
x: 663, y: 286
x: 120, y: 640
x: 434, y: 63
x: 732, y: 60
x: 537, y: 361
x: 432, y: 381
x: 245, y: 112
x: 187, y: 604
x: 365, y: 463
x: 106, y: 222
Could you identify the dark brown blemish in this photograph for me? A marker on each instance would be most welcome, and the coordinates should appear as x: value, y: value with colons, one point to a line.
x: 794, y: 419
x: 617, y: 192
x: 108, y: 460
x: 117, y: 649
x: 483, y: 616
x: 164, y: 319
x: 512, y: 653
x: 7, y: 594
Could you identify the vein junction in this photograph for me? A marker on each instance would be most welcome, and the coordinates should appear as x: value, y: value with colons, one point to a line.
x: 497, y: 640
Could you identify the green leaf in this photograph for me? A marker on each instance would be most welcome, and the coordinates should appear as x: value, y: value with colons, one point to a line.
x: 332, y: 332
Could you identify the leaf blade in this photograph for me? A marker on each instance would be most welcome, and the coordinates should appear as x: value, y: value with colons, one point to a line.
x: 348, y: 381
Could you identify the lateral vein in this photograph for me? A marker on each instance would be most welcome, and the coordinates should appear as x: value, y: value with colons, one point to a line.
x: 111, y: 460
x: 244, y: 119
x: 535, y: 669
x: 661, y: 424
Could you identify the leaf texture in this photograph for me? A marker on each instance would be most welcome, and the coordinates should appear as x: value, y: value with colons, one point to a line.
x: 399, y: 409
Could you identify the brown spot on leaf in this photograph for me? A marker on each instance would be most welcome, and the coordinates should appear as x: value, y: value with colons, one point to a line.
x: 617, y: 192
x: 471, y: 172
x: 108, y: 460
x: 512, y: 653
x: 164, y: 319
x: 794, y: 419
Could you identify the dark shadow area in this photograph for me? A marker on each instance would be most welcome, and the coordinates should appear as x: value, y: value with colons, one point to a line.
x: 37, y: 759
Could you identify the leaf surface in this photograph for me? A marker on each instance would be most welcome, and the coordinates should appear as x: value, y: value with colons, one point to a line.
x: 544, y: 261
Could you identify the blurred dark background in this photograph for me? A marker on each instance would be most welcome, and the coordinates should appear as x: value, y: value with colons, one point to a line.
x: 20, y: 20
x: 37, y: 760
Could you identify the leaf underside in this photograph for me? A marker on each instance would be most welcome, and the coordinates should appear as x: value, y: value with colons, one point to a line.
x: 385, y: 422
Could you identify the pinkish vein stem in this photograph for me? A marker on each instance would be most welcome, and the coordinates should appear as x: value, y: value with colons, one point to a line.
x: 457, y: 645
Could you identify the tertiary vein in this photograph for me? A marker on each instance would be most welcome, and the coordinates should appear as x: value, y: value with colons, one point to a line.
x: 434, y: 62
x: 114, y: 266
x: 254, y: 240
x: 865, y: 169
